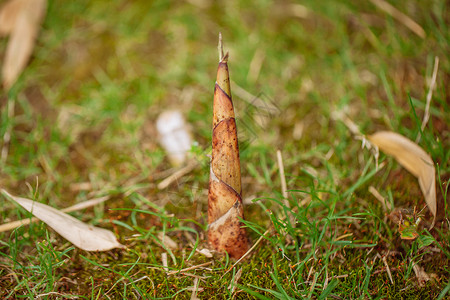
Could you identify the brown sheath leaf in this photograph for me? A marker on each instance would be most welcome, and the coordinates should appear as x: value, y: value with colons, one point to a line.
x: 223, y: 106
x: 228, y: 234
x: 22, y: 39
x: 221, y: 198
x: 223, y: 76
x: 412, y: 158
x: 225, y: 211
x: 225, y: 154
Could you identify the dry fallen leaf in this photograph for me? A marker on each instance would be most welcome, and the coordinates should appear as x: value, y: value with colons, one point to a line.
x: 412, y: 158
x: 22, y: 20
x: 8, y: 15
x: 82, y: 235
x: 82, y: 205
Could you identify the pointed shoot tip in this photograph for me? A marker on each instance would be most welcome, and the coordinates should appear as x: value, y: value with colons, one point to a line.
x: 220, y: 47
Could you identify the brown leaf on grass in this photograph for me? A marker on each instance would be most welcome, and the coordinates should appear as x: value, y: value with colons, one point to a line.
x: 22, y: 20
x: 8, y: 15
x: 225, y: 209
x: 82, y: 205
x: 82, y: 235
x: 412, y: 158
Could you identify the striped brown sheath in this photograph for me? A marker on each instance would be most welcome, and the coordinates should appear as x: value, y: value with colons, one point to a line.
x: 225, y: 231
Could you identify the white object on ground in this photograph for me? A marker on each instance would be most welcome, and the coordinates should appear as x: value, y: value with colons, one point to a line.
x: 174, y: 136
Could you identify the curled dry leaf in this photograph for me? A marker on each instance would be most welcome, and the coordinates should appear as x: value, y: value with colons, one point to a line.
x: 412, y: 158
x: 82, y: 235
x: 225, y: 209
x: 22, y: 20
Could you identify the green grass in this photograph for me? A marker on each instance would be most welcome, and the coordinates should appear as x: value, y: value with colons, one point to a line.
x: 85, y: 111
